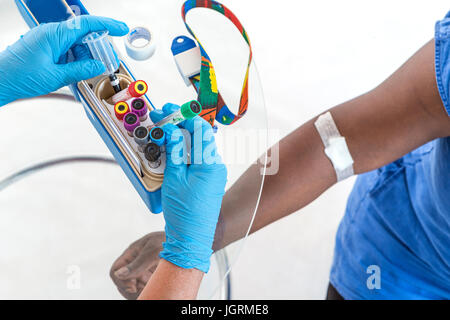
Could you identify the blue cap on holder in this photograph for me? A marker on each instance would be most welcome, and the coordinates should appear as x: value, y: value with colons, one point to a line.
x: 157, y: 136
x: 181, y: 44
x: 187, y: 57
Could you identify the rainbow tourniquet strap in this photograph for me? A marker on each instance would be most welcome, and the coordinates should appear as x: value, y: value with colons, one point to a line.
x: 205, y: 83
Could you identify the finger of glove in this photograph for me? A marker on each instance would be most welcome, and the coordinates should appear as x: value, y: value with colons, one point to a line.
x: 72, y: 31
x: 81, y: 52
x: 78, y: 52
x: 158, y: 115
x: 175, y: 148
x: 80, y: 70
x: 203, y: 146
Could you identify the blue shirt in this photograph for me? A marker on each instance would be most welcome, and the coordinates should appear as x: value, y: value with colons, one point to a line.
x: 394, y: 240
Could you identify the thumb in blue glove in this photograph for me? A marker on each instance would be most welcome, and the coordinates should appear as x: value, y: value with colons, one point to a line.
x: 191, y: 194
x: 36, y: 64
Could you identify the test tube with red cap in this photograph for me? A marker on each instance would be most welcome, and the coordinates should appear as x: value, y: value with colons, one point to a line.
x: 135, y: 90
x: 121, y: 109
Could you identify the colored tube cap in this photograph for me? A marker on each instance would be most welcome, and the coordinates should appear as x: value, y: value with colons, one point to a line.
x: 152, y: 152
x: 138, y: 88
x: 131, y: 121
x: 157, y: 135
x: 139, y: 107
x: 191, y: 109
x: 121, y: 109
x: 140, y: 135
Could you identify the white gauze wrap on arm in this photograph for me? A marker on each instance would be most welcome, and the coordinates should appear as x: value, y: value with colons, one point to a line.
x: 336, y: 147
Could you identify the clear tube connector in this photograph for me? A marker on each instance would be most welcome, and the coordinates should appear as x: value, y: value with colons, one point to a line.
x: 102, y: 50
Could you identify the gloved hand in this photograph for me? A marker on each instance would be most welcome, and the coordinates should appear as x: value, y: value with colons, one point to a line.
x: 36, y: 64
x: 191, y: 194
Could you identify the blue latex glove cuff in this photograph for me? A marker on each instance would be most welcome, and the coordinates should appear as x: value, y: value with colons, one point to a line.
x: 186, y: 256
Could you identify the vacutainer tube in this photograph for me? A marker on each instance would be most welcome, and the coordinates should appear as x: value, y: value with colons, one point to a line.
x: 187, y: 111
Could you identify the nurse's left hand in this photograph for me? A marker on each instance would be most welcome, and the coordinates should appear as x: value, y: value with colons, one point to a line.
x: 36, y: 64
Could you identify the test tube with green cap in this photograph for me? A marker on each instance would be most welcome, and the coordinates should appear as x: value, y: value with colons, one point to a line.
x: 187, y: 111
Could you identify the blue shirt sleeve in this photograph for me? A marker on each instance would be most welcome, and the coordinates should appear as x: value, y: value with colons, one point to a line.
x: 442, y: 59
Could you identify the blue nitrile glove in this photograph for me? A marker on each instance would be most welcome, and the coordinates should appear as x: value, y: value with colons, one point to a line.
x: 36, y: 64
x: 191, y: 194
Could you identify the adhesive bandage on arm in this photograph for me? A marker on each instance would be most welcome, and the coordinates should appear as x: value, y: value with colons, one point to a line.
x: 336, y: 147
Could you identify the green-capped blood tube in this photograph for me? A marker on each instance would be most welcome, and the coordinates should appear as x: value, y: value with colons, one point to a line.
x: 187, y: 111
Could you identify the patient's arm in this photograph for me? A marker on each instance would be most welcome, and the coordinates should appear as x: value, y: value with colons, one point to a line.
x: 403, y: 113
x: 170, y: 282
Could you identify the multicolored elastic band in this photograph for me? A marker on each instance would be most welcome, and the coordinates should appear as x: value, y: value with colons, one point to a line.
x: 214, y: 106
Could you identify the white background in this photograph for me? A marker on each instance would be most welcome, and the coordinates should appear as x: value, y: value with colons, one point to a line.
x: 311, y: 56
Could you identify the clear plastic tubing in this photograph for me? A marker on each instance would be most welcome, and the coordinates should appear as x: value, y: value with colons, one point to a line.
x: 101, y: 50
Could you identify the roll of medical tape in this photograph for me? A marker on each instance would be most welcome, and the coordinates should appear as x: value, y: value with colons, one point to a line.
x: 137, y: 51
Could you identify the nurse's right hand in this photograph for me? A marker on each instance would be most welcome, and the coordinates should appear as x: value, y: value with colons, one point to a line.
x: 36, y: 64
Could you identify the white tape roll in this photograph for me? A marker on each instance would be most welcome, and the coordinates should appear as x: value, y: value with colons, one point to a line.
x: 140, y: 43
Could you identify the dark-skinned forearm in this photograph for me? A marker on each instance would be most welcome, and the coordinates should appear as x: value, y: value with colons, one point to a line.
x: 403, y: 113
x: 304, y: 174
x: 170, y: 282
